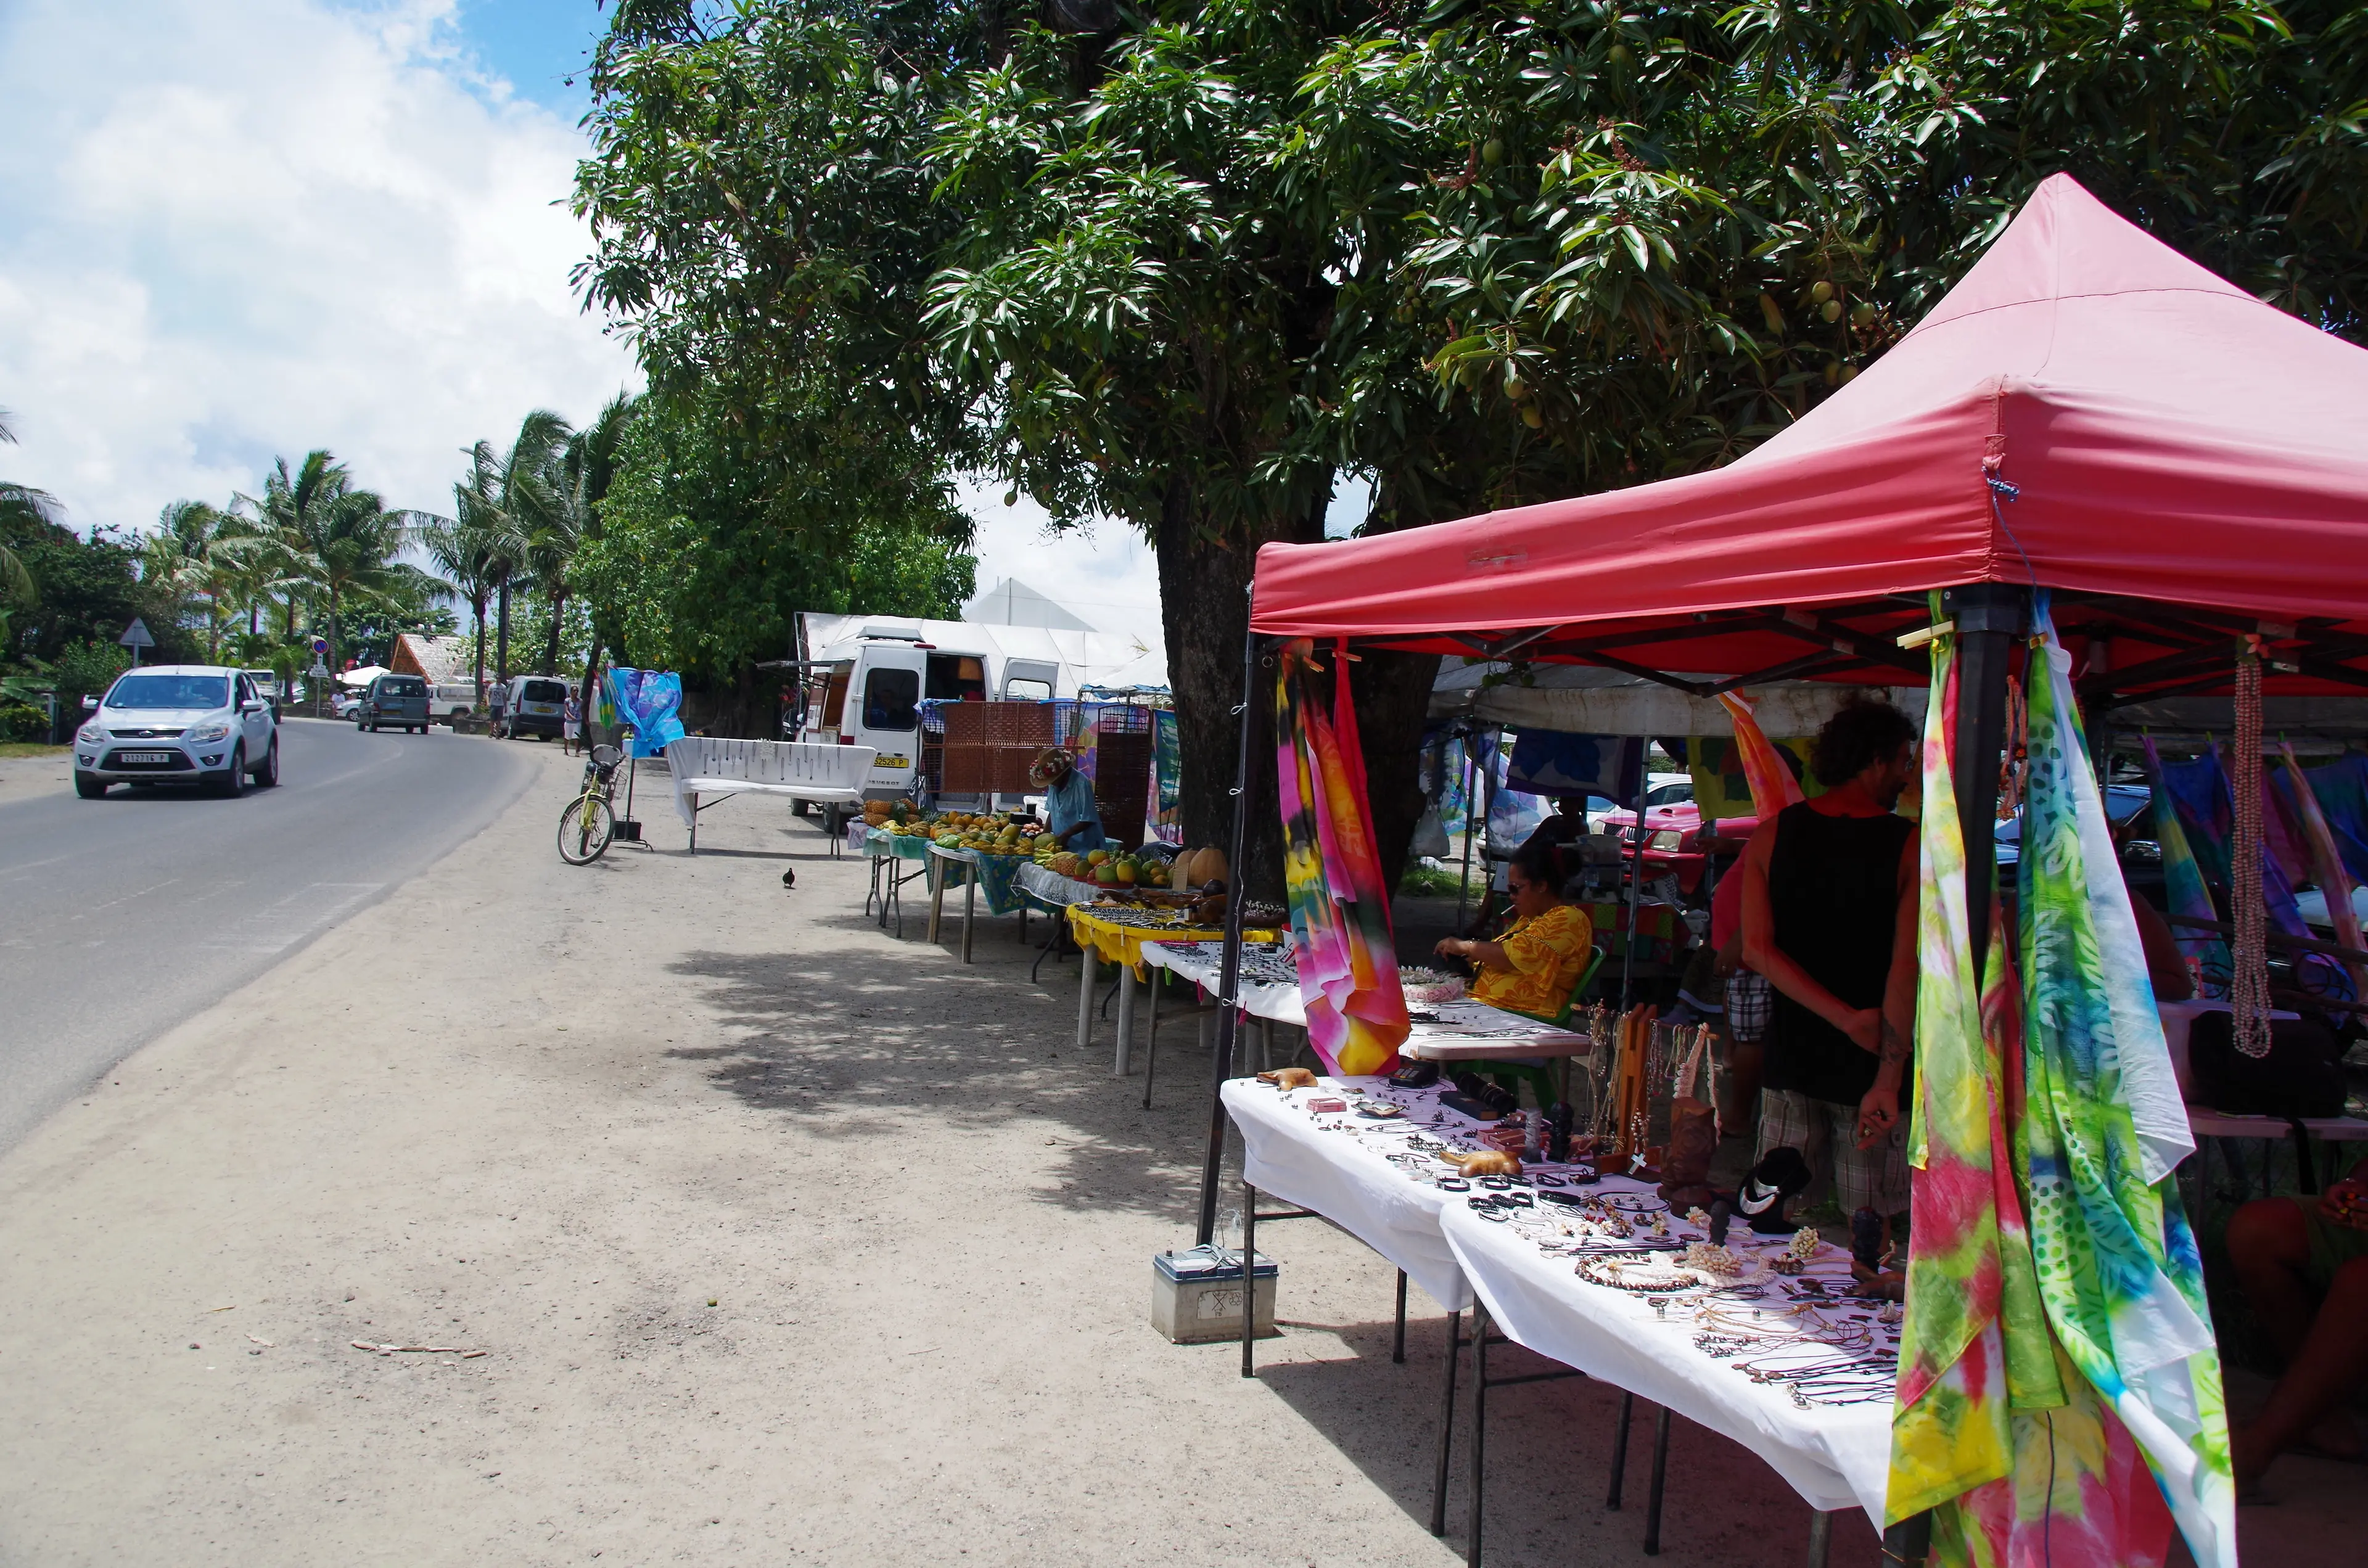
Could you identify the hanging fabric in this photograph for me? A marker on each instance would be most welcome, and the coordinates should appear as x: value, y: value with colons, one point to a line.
x: 2182, y: 881
x: 1973, y: 1346
x: 2102, y: 1131
x: 1339, y: 899
x: 1772, y: 785
x: 2327, y: 865
x: 2341, y: 786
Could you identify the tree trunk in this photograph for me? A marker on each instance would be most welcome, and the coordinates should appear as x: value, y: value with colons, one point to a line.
x: 551, y: 648
x: 477, y: 604
x: 501, y: 635
x: 1393, y: 696
x: 1204, y: 609
x: 334, y: 645
x: 587, y: 697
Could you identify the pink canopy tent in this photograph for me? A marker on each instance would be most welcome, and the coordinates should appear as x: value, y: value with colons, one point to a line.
x: 2087, y: 412
x: 2154, y: 433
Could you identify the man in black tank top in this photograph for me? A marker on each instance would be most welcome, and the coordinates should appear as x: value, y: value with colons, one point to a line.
x: 1829, y: 919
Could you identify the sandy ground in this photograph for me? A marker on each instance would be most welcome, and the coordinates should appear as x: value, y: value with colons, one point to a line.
x: 49, y: 772
x: 785, y: 1241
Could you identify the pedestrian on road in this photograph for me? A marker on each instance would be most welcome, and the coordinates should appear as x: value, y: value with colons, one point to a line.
x: 497, y: 700
x: 571, y: 725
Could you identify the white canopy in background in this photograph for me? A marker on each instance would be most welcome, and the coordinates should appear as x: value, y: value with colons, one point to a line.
x: 364, y: 675
x: 1586, y: 700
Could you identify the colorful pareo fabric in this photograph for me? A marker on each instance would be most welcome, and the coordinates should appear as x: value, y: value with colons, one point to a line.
x: 2328, y: 870
x: 2103, y: 1132
x: 1974, y: 1344
x: 1339, y: 901
x: 1774, y: 788
x: 2182, y: 876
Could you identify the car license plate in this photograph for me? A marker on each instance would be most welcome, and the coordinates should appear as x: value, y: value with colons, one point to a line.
x: 136, y: 757
x: 892, y: 760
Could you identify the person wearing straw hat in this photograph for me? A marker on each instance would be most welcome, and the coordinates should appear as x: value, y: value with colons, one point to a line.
x: 1070, y: 814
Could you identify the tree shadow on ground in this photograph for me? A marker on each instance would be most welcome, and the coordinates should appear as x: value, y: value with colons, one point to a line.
x: 876, y: 1036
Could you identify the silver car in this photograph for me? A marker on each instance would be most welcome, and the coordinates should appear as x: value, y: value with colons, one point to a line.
x: 201, y: 725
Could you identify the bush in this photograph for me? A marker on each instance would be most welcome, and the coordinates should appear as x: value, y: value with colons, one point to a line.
x: 23, y: 722
x: 87, y: 668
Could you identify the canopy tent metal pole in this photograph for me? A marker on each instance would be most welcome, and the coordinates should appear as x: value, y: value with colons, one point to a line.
x: 1229, y: 974
x: 1463, y: 888
x: 1989, y: 617
x: 1635, y: 880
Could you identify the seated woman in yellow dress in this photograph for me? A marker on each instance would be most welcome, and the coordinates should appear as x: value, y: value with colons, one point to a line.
x: 1532, y: 966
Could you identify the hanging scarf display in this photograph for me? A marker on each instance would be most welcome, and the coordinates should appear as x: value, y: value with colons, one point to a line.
x: 1772, y: 785
x: 2102, y: 1131
x: 1339, y: 901
x: 1973, y: 1346
x: 2327, y: 865
x: 2182, y: 881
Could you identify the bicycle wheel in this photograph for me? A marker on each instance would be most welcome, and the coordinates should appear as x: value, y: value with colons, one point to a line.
x: 584, y: 828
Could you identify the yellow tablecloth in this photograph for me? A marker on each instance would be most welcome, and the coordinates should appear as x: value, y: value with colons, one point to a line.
x: 1115, y: 943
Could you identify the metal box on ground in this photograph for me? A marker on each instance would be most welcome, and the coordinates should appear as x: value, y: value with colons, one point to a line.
x: 1196, y: 1296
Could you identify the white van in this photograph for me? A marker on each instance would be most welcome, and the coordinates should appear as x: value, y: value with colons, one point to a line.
x: 866, y: 677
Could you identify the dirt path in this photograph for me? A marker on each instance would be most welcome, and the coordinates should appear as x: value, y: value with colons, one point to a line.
x: 785, y: 1241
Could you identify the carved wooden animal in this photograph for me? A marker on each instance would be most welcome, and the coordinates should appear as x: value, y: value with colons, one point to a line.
x: 1289, y: 1078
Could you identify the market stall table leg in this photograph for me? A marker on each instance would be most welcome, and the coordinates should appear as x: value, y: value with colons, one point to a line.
x: 1084, y: 996
x: 969, y: 901
x: 1126, y: 984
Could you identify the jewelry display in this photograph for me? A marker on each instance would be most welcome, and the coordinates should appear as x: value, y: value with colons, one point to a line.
x: 1784, y: 1317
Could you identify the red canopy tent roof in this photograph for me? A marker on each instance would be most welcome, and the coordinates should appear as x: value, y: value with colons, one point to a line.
x: 2167, y: 440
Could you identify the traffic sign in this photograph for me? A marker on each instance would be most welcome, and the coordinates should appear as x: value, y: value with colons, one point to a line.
x: 319, y: 644
x: 136, y: 635
x: 318, y: 668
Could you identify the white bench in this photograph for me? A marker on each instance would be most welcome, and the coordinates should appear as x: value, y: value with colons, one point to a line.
x: 704, y: 765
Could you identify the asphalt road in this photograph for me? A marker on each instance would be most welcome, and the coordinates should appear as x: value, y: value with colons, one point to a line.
x: 120, y: 916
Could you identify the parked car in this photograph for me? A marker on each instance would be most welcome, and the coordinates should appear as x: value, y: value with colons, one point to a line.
x: 394, y: 701
x: 202, y: 724
x: 537, y: 707
x: 345, y: 702
x: 267, y: 686
x: 1669, y: 803
x: 455, y: 700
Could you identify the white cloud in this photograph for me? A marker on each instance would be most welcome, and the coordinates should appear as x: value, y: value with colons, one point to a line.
x: 233, y: 232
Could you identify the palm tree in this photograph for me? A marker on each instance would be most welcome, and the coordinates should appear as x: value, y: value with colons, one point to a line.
x: 508, y: 498
x: 289, y: 511
x: 182, y: 556
x: 585, y: 466
x: 467, y: 557
x: 20, y: 502
x: 326, y: 535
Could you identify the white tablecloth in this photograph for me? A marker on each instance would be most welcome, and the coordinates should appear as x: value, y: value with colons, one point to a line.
x: 1054, y: 888
x: 1462, y: 1025
x: 1835, y: 1455
x: 1349, y: 1184
x: 1202, y: 964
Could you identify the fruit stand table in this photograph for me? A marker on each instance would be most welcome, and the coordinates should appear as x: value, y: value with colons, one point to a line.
x: 1117, y: 933
x: 884, y: 848
x: 980, y: 872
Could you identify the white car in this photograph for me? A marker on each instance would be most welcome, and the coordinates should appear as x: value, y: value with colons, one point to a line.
x: 177, y: 724
x: 344, y: 700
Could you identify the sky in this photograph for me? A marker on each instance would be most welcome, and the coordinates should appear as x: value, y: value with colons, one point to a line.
x: 237, y: 230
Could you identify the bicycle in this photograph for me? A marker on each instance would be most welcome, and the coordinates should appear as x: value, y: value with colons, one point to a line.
x: 587, y: 823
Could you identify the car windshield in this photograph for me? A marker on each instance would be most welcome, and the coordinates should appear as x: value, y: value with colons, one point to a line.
x: 170, y: 691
